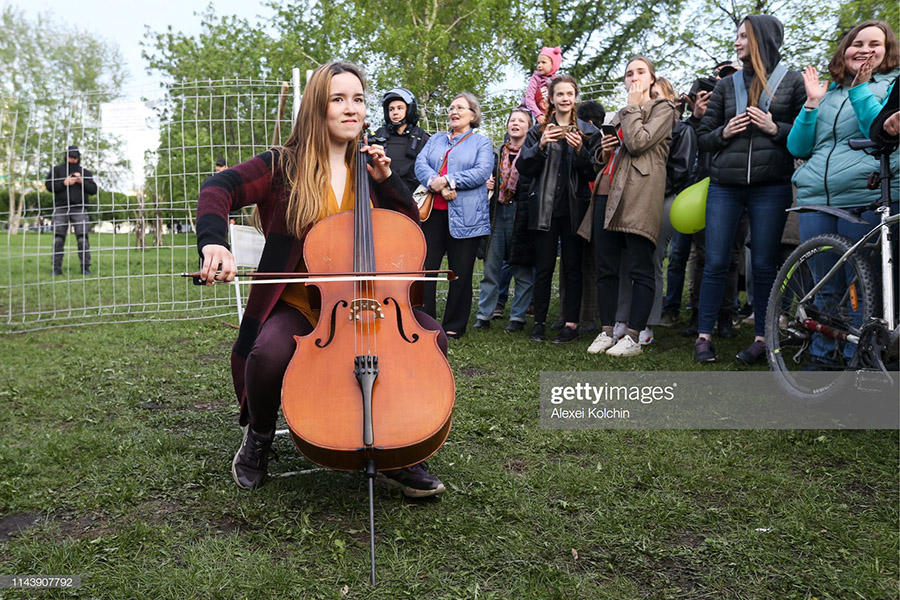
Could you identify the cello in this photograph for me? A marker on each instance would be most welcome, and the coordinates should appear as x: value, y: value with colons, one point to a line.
x: 369, y: 389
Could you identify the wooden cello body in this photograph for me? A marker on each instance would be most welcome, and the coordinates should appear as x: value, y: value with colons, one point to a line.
x: 369, y: 383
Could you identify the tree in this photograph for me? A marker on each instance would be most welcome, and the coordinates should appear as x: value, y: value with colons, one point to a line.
x: 55, y: 79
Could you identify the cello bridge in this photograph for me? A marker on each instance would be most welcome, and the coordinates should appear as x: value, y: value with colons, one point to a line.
x: 361, y: 305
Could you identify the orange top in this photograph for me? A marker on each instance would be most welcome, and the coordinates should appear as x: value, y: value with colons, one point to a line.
x: 303, y: 298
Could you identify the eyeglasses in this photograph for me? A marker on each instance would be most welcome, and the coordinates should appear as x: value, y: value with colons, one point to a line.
x: 457, y: 108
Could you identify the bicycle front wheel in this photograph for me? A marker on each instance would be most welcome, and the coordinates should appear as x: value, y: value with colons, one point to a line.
x: 809, y: 364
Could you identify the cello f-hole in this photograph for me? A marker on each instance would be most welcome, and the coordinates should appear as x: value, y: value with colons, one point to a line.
x: 415, y: 336
x: 342, y: 304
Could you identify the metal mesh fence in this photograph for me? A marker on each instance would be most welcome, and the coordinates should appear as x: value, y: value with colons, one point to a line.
x: 141, y: 234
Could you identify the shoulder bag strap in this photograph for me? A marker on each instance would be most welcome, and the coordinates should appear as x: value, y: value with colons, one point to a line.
x: 778, y: 73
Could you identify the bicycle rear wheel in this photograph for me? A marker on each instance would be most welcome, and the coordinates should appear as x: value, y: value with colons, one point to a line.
x: 809, y: 366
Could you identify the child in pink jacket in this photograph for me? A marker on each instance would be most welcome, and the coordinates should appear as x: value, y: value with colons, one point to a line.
x: 535, y: 99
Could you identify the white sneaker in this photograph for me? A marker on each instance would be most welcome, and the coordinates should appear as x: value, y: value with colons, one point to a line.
x: 601, y: 344
x: 625, y: 347
x: 646, y: 336
x: 619, y: 330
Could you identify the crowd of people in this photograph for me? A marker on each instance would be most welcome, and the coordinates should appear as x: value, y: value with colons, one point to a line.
x: 597, y: 195
x: 566, y: 187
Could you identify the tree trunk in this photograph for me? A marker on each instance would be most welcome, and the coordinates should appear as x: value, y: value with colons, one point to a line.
x: 16, y: 209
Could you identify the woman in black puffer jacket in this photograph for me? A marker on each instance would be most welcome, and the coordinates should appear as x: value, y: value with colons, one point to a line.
x: 745, y: 128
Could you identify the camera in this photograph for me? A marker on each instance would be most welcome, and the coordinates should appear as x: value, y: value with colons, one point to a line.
x: 701, y: 84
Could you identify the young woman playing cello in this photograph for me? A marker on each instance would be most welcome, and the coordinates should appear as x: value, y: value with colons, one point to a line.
x: 294, y: 187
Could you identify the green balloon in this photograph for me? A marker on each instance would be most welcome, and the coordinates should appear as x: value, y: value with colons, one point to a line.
x: 688, y: 212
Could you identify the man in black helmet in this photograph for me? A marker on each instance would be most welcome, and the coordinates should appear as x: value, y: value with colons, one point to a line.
x: 404, y: 138
x: 71, y: 184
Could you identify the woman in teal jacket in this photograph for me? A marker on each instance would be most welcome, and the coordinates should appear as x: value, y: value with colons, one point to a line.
x: 862, y: 68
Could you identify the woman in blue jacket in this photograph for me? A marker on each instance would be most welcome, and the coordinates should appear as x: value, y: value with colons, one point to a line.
x: 863, y: 69
x: 455, y: 166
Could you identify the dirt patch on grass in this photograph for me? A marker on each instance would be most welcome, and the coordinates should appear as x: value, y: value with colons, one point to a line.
x: 12, y: 525
x: 81, y: 527
x: 210, y: 405
x: 471, y: 372
x: 517, y: 466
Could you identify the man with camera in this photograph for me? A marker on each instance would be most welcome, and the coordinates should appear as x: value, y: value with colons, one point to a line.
x: 71, y: 184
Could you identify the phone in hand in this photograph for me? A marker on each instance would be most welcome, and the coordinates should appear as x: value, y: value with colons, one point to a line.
x: 608, y: 129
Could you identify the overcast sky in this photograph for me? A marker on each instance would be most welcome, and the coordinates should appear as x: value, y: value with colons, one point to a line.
x: 122, y: 22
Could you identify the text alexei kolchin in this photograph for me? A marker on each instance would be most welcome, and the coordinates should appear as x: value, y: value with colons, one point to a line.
x: 611, y: 393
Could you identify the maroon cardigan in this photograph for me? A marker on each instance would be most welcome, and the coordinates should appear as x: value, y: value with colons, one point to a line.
x: 260, y: 181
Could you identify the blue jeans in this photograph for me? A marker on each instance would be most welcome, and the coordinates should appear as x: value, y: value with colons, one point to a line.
x: 766, y: 205
x: 679, y: 251
x: 505, y: 280
x: 816, y: 223
x: 501, y: 239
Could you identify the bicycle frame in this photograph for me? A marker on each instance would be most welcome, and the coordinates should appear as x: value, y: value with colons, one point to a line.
x: 887, y: 272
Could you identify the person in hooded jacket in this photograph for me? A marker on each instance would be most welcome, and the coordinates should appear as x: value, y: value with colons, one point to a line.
x: 403, y: 138
x: 71, y: 184
x: 863, y: 69
x: 745, y: 127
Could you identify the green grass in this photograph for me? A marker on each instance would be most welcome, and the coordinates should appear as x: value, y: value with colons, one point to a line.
x: 128, y: 283
x: 117, y: 442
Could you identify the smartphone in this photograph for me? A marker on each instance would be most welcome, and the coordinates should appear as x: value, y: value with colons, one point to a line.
x: 608, y: 129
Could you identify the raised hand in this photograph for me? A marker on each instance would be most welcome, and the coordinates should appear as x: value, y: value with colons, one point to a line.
x: 698, y: 108
x: 865, y: 72
x: 635, y: 93
x: 815, y: 89
x: 573, y: 138
x: 608, y: 144
x: 380, y: 169
x: 551, y: 134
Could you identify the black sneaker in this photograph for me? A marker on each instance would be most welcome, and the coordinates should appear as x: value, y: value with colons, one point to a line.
x: 414, y: 481
x: 704, y: 351
x: 515, y: 326
x: 86, y: 271
x: 498, y: 312
x: 558, y: 324
x: 481, y: 324
x: 725, y: 329
x: 568, y: 334
x: 668, y: 318
x: 57, y: 272
x: 538, y: 332
x: 587, y: 327
x: 251, y: 462
x: 753, y: 353
x: 691, y: 330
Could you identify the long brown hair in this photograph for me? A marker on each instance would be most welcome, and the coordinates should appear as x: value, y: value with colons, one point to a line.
x: 760, y: 80
x: 838, y: 69
x: 304, y: 156
x: 552, y: 112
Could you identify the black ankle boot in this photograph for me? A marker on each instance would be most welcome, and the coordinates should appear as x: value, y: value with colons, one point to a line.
x: 691, y: 330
